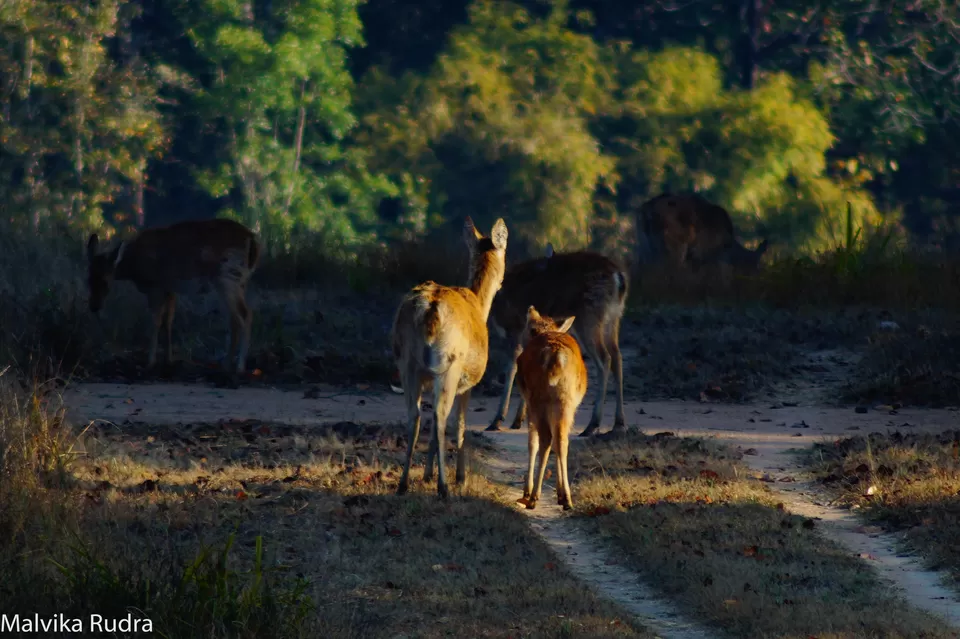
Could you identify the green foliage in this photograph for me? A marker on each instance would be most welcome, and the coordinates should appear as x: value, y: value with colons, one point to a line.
x: 499, y: 126
x: 281, y: 95
x: 760, y: 153
x: 77, y: 126
x: 560, y: 115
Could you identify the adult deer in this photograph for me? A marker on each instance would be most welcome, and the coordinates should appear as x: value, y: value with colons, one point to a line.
x: 689, y: 230
x: 583, y: 284
x: 439, y: 337
x: 162, y: 262
x: 553, y: 380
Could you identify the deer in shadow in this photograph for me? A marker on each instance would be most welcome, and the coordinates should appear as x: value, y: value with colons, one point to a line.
x: 586, y: 285
x: 181, y: 258
x: 689, y: 231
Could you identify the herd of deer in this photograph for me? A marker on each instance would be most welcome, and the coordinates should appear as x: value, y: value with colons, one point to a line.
x: 439, y: 335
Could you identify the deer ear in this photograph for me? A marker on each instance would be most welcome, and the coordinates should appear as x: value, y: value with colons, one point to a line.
x: 762, y: 248
x: 470, y: 233
x: 92, y: 245
x: 532, y: 314
x: 499, y: 234
x: 567, y: 323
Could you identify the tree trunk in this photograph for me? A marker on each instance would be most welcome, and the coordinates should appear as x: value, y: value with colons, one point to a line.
x: 138, y: 193
x: 298, y: 146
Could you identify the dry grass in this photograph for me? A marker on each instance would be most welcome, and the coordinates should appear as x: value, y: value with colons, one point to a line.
x: 902, y: 482
x: 918, y: 364
x: 691, y: 517
x: 321, y: 546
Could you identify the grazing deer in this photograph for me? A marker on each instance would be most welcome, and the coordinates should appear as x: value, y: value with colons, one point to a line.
x: 687, y: 229
x: 553, y: 380
x: 587, y: 285
x: 164, y: 261
x: 440, y: 336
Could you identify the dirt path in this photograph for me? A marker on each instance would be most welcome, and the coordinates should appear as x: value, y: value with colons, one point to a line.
x: 770, y: 430
x: 585, y: 558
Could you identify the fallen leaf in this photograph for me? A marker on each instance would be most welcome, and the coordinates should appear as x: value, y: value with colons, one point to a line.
x: 550, y: 565
x: 750, y: 551
x: 394, y: 532
x: 257, y: 372
x: 709, y: 474
x: 241, y: 495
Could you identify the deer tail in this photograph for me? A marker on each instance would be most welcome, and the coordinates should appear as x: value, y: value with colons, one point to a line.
x: 431, y: 330
x: 554, y: 364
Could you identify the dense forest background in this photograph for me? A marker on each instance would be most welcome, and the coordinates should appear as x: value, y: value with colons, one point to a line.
x: 351, y: 123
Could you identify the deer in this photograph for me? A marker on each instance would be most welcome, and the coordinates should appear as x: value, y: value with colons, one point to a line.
x: 689, y: 230
x: 164, y: 261
x: 553, y: 380
x: 440, y: 339
x: 586, y: 285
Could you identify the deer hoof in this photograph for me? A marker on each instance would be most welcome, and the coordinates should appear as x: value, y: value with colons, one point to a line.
x: 589, y: 430
x: 495, y: 424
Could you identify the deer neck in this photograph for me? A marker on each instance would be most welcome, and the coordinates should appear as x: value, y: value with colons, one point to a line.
x: 487, y: 276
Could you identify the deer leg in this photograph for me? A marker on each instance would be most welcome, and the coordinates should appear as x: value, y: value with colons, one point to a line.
x: 521, y: 415
x: 237, y: 311
x: 462, y: 401
x: 157, y: 303
x: 431, y: 456
x: 170, y: 308
x: 247, y: 317
x: 411, y: 393
x: 445, y: 391
x: 533, y: 444
x: 562, y: 444
x: 601, y: 358
x: 616, y: 364
x: 243, y: 317
x: 510, y: 374
x: 545, y: 436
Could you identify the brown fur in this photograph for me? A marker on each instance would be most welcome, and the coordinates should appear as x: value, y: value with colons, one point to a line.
x: 587, y: 285
x: 439, y: 337
x: 689, y: 230
x: 162, y: 261
x: 553, y: 379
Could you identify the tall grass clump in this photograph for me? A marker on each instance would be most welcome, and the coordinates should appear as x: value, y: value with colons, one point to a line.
x: 55, y: 557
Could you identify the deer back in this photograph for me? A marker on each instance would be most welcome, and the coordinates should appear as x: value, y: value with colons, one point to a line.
x: 583, y: 283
